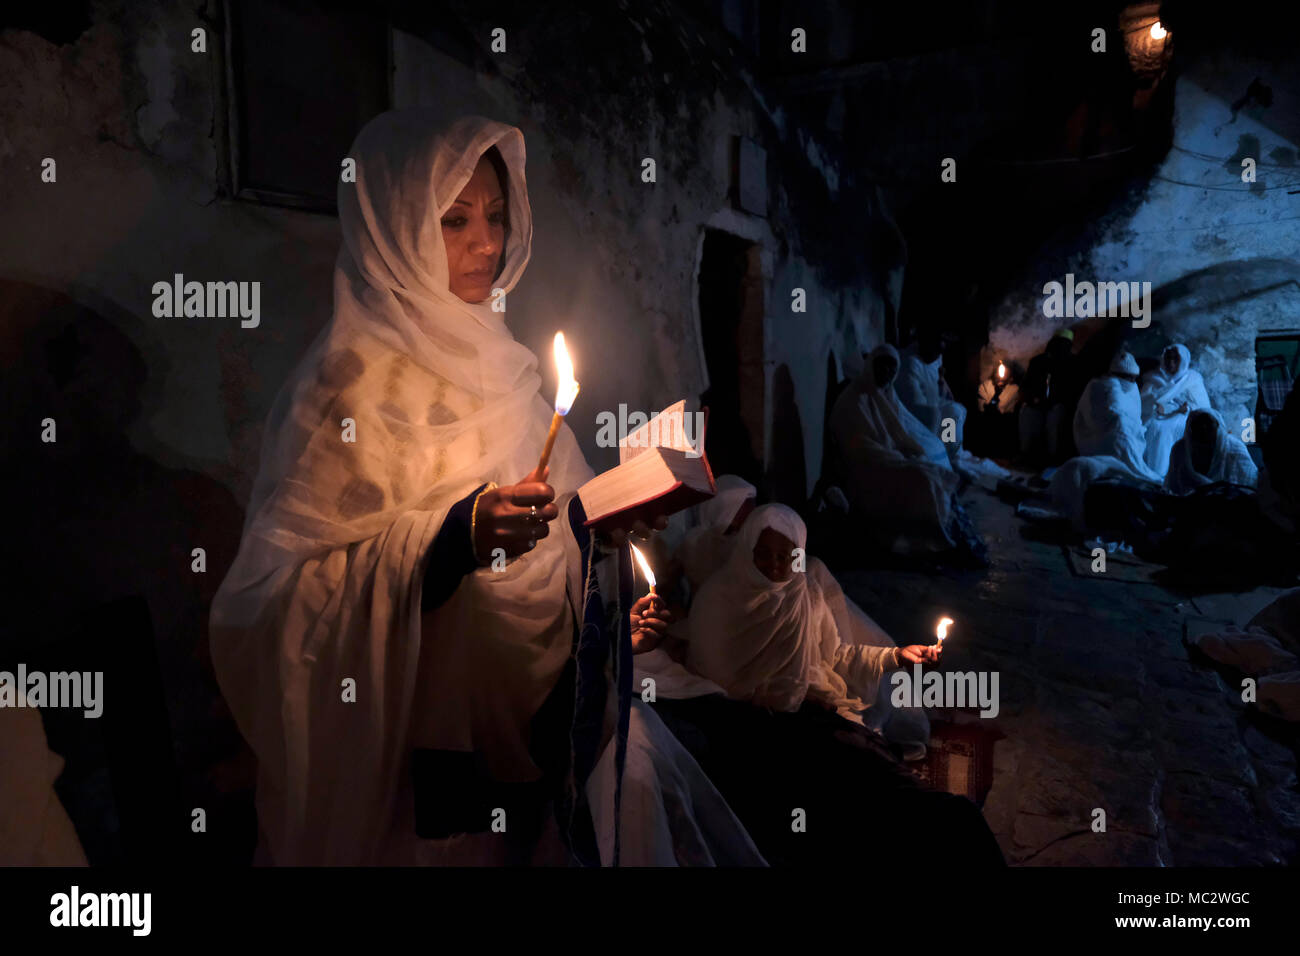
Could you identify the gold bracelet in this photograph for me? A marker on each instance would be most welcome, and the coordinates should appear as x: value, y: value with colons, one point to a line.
x: 473, y: 520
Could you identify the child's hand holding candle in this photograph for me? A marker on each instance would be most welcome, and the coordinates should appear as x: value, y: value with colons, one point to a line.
x: 926, y: 653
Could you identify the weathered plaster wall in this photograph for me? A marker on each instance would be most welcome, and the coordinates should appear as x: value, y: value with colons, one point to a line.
x: 130, y: 114
x: 1221, y: 254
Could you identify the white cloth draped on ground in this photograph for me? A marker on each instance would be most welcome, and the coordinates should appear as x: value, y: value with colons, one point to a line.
x: 888, y: 475
x: 1268, y: 649
x: 672, y: 815
x: 919, y: 392
x: 705, y: 547
x: 1169, y: 392
x: 1108, y: 421
x: 775, y: 644
x: 1070, y: 483
x: 1230, y: 460
x: 34, y: 827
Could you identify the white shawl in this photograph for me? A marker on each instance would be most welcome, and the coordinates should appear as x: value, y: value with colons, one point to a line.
x: 776, y: 644
x: 705, y: 548
x: 1170, y: 391
x: 869, y: 419
x: 326, y: 586
x: 1164, y: 428
x: 1229, y: 462
x: 1108, y: 422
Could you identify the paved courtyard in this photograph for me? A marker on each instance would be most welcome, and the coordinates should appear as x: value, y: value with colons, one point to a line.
x: 1101, y: 707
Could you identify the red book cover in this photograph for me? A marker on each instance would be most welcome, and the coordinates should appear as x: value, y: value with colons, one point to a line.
x: 679, y: 497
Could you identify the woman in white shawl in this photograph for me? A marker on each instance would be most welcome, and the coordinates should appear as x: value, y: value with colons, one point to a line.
x: 1207, y: 454
x: 1169, y: 394
x: 774, y: 631
x: 897, y: 486
x: 1108, y: 421
x: 388, y: 599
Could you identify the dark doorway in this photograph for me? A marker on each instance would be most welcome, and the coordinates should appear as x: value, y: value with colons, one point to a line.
x: 731, y: 324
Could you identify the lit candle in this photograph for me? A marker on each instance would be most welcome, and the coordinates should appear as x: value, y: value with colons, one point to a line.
x: 645, y: 567
x: 1002, y: 374
x: 566, y: 390
x: 941, y: 630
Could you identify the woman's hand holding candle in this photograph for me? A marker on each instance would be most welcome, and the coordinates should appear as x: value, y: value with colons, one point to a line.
x: 504, y: 517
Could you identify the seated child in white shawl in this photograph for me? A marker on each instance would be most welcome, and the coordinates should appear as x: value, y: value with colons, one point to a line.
x: 1206, y: 454
x: 790, y: 731
x: 1169, y: 394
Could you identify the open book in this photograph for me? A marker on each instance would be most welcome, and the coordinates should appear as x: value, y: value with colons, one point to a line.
x: 659, y: 473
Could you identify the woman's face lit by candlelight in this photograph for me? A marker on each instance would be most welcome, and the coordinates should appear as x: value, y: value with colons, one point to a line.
x: 474, y: 233
x: 774, y: 555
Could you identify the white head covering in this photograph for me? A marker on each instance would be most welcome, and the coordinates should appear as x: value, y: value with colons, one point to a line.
x: 1230, y: 461
x: 1170, y: 390
x: 764, y: 640
x: 1184, y: 362
x: 1124, y: 364
x: 720, y: 510
x: 876, y: 421
x: 328, y: 578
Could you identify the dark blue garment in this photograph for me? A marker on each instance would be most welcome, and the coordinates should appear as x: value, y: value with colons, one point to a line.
x: 604, y: 631
x: 451, y: 556
x: 452, y: 793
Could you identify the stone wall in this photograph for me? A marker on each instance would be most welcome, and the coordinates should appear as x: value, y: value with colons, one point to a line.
x: 1220, y: 253
x: 132, y: 117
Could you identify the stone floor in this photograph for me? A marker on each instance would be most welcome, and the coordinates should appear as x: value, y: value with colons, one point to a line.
x: 1100, y: 707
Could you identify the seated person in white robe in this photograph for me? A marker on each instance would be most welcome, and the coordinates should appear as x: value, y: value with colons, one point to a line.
x: 1169, y: 394
x: 895, y: 488
x: 922, y: 391
x: 778, y: 715
x: 1207, y: 454
x: 1108, y: 421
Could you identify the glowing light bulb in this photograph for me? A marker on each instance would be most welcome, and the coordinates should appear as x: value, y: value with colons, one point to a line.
x: 1158, y: 32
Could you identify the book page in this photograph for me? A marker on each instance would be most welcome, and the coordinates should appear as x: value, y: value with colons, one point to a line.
x: 665, y: 430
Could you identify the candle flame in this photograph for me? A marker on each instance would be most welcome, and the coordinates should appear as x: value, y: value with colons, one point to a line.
x: 645, y: 566
x: 566, y: 390
x: 1002, y: 370
x: 1158, y: 32
x: 941, y: 629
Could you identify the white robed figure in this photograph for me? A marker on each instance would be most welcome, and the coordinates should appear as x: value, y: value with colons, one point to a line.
x: 775, y: 638
x: 895, y: 480
x: 1108, y: 421
x: 1169, y: 395
x: 413, y: 396
x: 1207, y: 454
x: 922, y: 392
